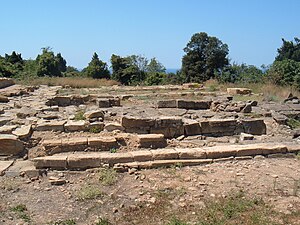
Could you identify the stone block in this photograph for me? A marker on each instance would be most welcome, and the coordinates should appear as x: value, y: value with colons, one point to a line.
x: 219, y: 127
x: 6, y: 82
x: 191, y: 153
x: 254, y: 126
x: 84, y: 161
x: 239, y: 91
x: 167, y: 104
x: 141, y: 156
x: 151, y: 141
x: 191, y: 127
x: 72, y: 126
x: 50, y: 126
x: 24, y: 132
x: 102, y: 143
x: 163, y: 154
x: 10, y: 145
x: 53, y: 162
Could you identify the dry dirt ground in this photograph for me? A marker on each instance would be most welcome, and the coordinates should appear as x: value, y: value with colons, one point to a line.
x: 266, y: 190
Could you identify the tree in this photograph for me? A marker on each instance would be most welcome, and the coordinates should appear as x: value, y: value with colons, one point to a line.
x: 285, y: 72
x: 155, y: 66
x: 242, y: 73
x: 97, y: 69
x: 49, y: 64
x: 124, y: 70
x: 140, y: 63
x: 205, y: 58
x: 289, y: 50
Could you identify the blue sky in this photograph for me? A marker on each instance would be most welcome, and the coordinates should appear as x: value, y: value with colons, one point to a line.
x: 154, y: 28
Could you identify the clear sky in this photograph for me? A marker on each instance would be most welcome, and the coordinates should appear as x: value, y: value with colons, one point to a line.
x: 154, y: 28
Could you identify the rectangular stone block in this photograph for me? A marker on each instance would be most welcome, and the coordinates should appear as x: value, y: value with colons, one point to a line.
x: 167, y: 104
x: 191, y: 127
x: 102, y: 143
x: 54, y: 162
x: 84, y: 161
x: 219, y: 127
x: 254, y: 126
x: 163, y: 154
x: 75, y: 144
x: 141, y: 156
x: 191, y: 153
x: 151, y: 141
x: 220, y: 151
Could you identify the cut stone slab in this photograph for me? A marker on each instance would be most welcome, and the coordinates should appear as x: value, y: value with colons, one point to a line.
x: 114, y: 158
x: 113, y: 126
x: 254, y: 126
x: 84, y: 161
x: 95, y: 127
x: 54, y: 162
x: 141, y: 156
x: 74, y: 144
x: 72, y: 126
x: 220, y: 151
x: 10, y: 145
x: 167, y: 104
x: 239, y: 91
x: 50, y: 126
x: 94, y: 114
x: 151, y: 141
x: 191, y: 153
x: 3, y: 99
x: 191, y: 127
x: 7, y: 129
x: 102, y: 143
x: 4, y: 165
x: 135, y: 122
x: 24, y: 132
x: 103, y: 103
x: 260, y: 149
x: 163, y: 154
x: 219, y: 127
x: 52, y: 146
x: 6, y: 82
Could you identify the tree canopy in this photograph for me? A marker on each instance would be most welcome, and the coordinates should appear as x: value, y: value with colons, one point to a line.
x: 289, y: 50
x: 205, y: 57
x: 97, y: 69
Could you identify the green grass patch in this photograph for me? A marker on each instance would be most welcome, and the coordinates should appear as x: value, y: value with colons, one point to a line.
x: 64, y: 222
x: 89, y: 192
x: 22, y: 212
x: 79, y: 115
x: 293, y: 123
x: 107, y: 176
x: 103, y: 221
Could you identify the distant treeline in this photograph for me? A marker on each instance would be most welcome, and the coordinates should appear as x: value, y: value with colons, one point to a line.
x: 205, y: 58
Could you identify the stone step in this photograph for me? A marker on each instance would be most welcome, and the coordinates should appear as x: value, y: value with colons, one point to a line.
x: 83, y: 160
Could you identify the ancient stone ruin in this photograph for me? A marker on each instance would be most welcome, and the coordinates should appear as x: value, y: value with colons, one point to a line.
x: 139, y: 127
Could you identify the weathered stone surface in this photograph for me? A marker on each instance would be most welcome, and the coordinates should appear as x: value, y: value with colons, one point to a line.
x: 102, y: 143
x: 254, y: 126
x: 137, y: 124
x: 113, y: 158
x: 141, y: 156
x: 280, y: 119
x: 3, y: 99
x: 4, y: 165
x: 72, y: 126
x: 52, y: 146
x: 170, y: 127
x: 113, y: 126
x: 247, y: 109
x: 54, y: 162
x: 191, y: 127
x: 84, y: 161
x: 94, y: 114
x: 192, y: 85
x: 114, y: 102
x: 24, y: 132
x: 167, y: 104
x: 103, y: 103
x: 259, y: 149
x: 50, y: 126
x: 239, y: 91
x: 246, y: 137
x: 74, y: 144
x: 7, y: 129
x: 220, y: 151
x: 191, y: 153
x: 10, y: 145
x: 6, y: 82
x: 151, y: 141
x: 188, y: 104
x: 162, y: 154
x: 59, y: 100
x: 219, y: 127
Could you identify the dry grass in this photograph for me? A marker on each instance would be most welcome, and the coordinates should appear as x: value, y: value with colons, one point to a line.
x: 267, y: 91
x: 73, y: 82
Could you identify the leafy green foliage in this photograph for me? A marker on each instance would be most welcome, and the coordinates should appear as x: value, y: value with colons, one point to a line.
x: 155, y: 66
x: 79, y: 115
x: 97, y: 69
x: 205, y: 57
x: 285, y: 72
x: 50, y: 65
x: 289, y: 50
x: 293, y: 123
x: 242, y: 73
x: 21, y: 211
x: 155, y: 78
